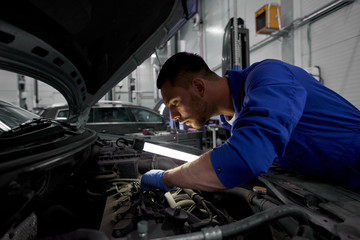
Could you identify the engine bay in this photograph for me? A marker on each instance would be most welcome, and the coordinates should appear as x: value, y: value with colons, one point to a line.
x: 102, y: 199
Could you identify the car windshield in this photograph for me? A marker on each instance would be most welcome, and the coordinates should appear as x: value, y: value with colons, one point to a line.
x: 113, y: 114
x: 142, y: 115
x: 12, y: 116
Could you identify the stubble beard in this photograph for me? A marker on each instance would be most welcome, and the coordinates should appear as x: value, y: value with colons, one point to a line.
x: 200, y: 112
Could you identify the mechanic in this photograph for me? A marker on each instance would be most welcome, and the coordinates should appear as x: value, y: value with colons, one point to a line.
x: 277, y: 113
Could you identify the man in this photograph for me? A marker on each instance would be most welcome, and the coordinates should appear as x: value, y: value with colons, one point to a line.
x: 277, y: 112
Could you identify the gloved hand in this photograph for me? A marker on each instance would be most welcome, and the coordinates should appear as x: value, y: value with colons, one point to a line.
x: 152, y: 181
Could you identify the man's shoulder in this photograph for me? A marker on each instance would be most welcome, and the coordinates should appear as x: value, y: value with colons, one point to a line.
x: 269, y: 68
x: 257, y: 72
x: 266, y: 62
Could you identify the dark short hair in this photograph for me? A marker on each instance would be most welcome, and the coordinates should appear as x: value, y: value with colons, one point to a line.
x: 182, y: 66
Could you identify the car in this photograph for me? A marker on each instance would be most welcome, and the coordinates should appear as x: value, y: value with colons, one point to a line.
x: 62, y: 180
x: 113, y: 117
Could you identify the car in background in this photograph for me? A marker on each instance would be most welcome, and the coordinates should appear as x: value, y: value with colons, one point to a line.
x: 113, y: 117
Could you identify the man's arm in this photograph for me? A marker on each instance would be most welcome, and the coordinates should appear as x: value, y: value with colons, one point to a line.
x: 198, y: 174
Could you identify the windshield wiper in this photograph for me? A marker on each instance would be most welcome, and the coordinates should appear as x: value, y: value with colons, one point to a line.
x: 28, y: 126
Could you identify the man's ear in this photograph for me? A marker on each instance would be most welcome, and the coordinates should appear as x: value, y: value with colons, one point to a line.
x: 199, y: 85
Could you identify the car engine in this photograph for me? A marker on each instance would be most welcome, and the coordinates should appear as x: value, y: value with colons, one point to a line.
x: 102, y: 199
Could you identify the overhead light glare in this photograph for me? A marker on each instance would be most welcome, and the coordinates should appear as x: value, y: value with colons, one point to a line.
x: 215, y: 30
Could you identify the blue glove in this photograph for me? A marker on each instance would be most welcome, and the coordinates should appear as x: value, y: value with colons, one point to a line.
x: 152, y: 181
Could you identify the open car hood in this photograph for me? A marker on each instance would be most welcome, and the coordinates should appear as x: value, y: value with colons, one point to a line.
x: 84, y: 48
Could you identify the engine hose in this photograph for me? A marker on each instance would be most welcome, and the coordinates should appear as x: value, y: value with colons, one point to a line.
x: 192, y: 219
x: 244, y: 225
x: 261, y: 218
x: 172, y: 203
x: 200, y: 201
x: 289, y: 225
x: 105, y: 176
x: 180, y: 197
x: 185, y: 203
x: 251, y: 198
x: 223, y: 218
x: 155, y: 163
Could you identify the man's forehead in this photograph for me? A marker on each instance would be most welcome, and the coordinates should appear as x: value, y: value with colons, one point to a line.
x: 170, y: 92
x: 166, y: 92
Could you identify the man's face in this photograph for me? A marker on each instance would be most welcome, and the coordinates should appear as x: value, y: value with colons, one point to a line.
x: 185, y: 105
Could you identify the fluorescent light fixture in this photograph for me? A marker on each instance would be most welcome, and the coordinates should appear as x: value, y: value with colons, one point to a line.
x: 168, y: 152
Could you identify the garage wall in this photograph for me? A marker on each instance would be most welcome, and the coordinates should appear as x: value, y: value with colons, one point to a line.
x: 215, y: 15
x: 47, y: 95
x: 333, y: 44
x: 333, y: 40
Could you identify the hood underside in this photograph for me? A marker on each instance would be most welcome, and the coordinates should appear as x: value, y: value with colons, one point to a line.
x: 81, y: 47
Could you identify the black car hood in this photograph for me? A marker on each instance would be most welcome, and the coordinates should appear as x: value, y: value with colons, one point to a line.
x: 84, y: 48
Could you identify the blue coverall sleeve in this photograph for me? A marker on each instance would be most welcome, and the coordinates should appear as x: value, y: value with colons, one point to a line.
x: 273, y: 104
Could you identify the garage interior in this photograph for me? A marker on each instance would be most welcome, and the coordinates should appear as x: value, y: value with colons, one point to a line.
x: 322, y: 37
